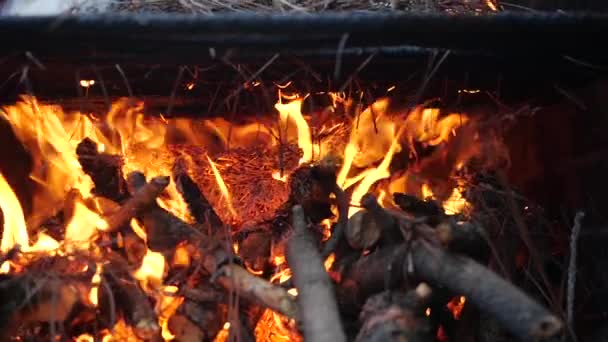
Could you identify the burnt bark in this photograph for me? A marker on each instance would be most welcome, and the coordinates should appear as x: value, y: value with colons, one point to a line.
x: 512, y: 308
x: 201, y: 210
x: 316, y: 299
x: 104, y: 169
x: 395, y: 316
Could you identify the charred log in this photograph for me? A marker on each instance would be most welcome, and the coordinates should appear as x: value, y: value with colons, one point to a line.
x: 104, y: 169
x: 517, y: 312
x: 200, y: 208
x: 394, y: 316
x: 419, y: 208
x: 316, y: 299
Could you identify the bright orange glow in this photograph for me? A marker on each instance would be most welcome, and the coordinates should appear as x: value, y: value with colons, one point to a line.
x: 190, y: 85
x: 378, y: 173
x: 456, y: 203
x: 87, y: 83
x: 223, y: 188
x: 181, y: 257
x: 277, y: 175
x: 85, y: 338
x: 93, y: 294
x: 151, y: 272
x: 292, y: 112
x: 491, y: 5
x: 428, y: 312
x: 426, y: 191
x: 456, y: 305
x: 166, y: 307
x: 14, y: 230
x: 329, y: 261
x: 83, y: 227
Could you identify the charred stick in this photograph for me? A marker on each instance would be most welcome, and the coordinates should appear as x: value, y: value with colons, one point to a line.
x: 395, y: 316
x: 196, y: 321
x: 201, y: 210
x: 163, y: 229
x: 340, y: 228
x: 419, y: 208
x: 316, y: 300
x: 517, y: 312
x: 104, y: 169
x: 255, y: 289
x: 127, y: 296
x: 141, y: 199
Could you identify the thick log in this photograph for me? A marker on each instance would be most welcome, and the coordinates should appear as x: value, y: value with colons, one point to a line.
x: 104, y: 169
x: 316, y: 300
x: 517, y: 312
x: 201, y: 210
x: 395, y: 316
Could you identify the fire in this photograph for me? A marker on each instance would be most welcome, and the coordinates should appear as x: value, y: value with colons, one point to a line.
x: 292, y: 111
x: 375, y: 139
x: 456, y: 306
x: 83, y: 226
x: 166, y: 307
x: 14, y: 230
x: 151, y: 272
x: 223, y: 187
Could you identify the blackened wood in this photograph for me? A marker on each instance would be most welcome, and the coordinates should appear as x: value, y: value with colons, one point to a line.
x: 201, y: 210
x: 340, y: 228
x: 396, y: 316
x: 387, y: 223
x: 104, y: 169
x: 418, y: 207
x: 120, y: 291
x: 164, y: 230
x: 141, y: 199
x: 316, y: 299
x: 362, y: 231
x: 464, y: 238
x: 513, y: 309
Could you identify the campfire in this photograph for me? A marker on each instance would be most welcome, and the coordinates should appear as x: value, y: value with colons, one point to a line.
x: 284, y: 227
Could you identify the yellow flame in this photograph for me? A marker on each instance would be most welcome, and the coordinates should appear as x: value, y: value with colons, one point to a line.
x: 378, y: 173
x: 95, y: 281
x: 85, y: 338
x: 44, y: 243
x: 277, y: 175
x: 456, y: 203
x: 14, y: 229
x: 87, y: 83
x: 166, y: 307
x: 83, y: 226
x: 491, y: 5
x: 151, y: 271
x: 223, y: 188
x: 329, y: 261
x: 292, y: 110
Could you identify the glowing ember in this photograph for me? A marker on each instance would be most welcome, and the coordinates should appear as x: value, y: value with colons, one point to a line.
x: 456, y: 306
x: 151, y: 272
x: 223, y: 187
x: 87, y: 83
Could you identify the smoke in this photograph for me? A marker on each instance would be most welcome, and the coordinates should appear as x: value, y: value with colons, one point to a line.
x: 52, y: 7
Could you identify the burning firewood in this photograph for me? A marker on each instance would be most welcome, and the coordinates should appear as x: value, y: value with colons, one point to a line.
x: 166, y: 231
x: 394, y: 316
x: 140, y: 200
x: 200, y: 208
x: 104, y: 169
x: 516, y: 311
x: 316, y: 301
x: 120, y: 293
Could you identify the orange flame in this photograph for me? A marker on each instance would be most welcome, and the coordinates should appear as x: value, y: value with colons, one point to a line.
x: 223, y: 188
x: 292, y: 110
x: 14, y: 229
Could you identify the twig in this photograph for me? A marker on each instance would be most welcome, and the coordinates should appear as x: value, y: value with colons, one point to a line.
x: 316, y: 299
x: 576, y: 229
x: 124, y: 78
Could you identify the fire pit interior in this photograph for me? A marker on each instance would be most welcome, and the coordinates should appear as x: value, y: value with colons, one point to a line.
x: 275, y: 178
